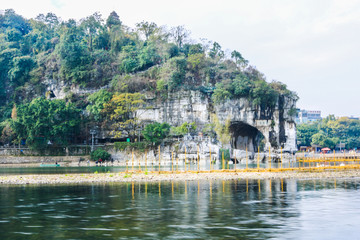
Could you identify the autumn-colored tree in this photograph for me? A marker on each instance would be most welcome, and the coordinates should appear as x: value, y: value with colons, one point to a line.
x: 122, y: 112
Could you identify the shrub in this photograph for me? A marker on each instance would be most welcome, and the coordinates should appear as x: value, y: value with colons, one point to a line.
x: 138, y: 146
x: 100, y: 153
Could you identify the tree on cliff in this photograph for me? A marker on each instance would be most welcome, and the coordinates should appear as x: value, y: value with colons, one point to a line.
x: 156, y: 132
x: 122, y: 112
x: 97, y: 101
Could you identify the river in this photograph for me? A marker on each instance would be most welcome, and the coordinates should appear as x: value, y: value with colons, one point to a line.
x: 279, y: 209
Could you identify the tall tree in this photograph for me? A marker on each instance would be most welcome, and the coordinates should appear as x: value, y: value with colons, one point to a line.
x: 239, y: 60
x: 180, y: 35
x: 113, y: 20
x: 97, y: 101
x: 92, y: 24
x: 156, y: 132
x: 122, y: 111
x: 20, y: 72
x: 147, y: 29
x: 216, y: 51
x: 74, y: 54
x: 42, y: 122
x: 12, y: 20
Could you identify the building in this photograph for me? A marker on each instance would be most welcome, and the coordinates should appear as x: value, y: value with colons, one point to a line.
x: 305, y: 116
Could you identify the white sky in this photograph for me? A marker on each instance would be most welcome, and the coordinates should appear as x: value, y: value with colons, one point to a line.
x: 313, y: 46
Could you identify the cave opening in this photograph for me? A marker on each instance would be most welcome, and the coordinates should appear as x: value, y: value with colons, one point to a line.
x: 245, y: 136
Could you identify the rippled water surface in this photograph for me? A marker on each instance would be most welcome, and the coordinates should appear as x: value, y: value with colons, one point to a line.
x: 278, y: 209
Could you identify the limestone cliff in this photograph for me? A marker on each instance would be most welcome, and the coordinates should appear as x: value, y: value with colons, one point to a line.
x: 249, y: 124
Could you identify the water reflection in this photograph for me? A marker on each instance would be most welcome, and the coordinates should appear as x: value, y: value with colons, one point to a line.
x: 249, y: 209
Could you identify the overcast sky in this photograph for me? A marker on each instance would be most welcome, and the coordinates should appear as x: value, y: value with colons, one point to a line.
x: 310, y: 45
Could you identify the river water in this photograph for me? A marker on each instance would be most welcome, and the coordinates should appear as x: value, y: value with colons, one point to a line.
x: 115, y: 169
x: 277, y: 209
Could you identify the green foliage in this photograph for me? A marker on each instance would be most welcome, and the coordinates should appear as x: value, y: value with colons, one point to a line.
x: 209, y: 130
x: 173, y: 72
x: 148, y: 57
x: 216, y: 52
x: 100, y: 154
x: 330, y: 131
x: 6, y: 63
x: 196, y: 61
x: 7, y: 135
x: 322, y: 140
x: 305, y: 132
x: 97, y: 101
x: 221, y: 93
x: 91, y: 25
x: 259, y: 92
x: 264, y: 95
x: 102, y: 70
x: 282, y: 89
x: 20, y: 72
x: 195, y: 49
x: 173, y: 50
x: 147, y: 29
x: 129, y: 61
x: 179, y: 35
x: 11, y: 20
x: 292, y: 112
x: 94, y: 52
x: 239, y: 60
x: 45, y: 122
x: 242, y: 86
x: 156, y: 132
x: 74, y: 55
x: 161, y: 85
x: 136, y: 146
x: 183, y: 129
x: 113, y: 20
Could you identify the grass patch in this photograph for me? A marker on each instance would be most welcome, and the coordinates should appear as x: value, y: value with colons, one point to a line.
x: 127, y: 175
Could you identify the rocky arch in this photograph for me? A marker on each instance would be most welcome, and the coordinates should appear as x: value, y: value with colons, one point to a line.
x: 245, y: 136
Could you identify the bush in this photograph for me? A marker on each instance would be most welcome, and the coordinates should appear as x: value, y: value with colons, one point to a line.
x: 138, y: 146
x: 182, y: 129
x: 100, y: 153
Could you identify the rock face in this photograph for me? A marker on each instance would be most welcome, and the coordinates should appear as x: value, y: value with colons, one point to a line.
x: 249, y: 124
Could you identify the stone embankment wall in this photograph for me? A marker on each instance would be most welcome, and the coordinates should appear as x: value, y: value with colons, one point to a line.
x: 41, y: 159
x: 70, y: 151
x: 194, y: 150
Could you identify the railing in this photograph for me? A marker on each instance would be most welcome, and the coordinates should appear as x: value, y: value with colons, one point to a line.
x: 175, y: 165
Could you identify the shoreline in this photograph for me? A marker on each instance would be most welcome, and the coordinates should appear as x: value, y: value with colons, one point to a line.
x: 123, y: 177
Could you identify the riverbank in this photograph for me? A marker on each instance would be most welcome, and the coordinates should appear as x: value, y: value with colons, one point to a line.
x: 154, y: 177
